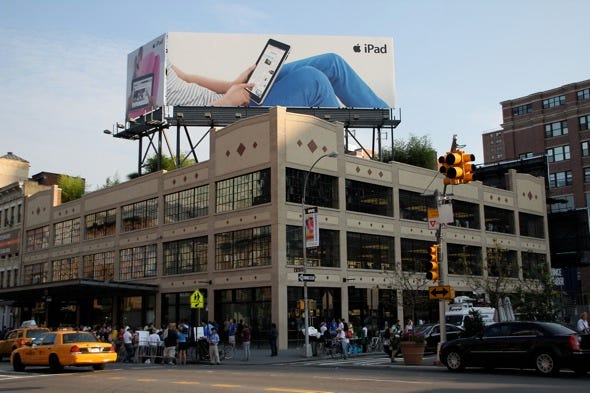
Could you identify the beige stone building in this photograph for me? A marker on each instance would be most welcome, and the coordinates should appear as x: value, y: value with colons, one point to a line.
x: 231, y: 228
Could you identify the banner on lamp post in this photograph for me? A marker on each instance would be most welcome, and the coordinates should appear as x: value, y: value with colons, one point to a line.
x: 312, y: 232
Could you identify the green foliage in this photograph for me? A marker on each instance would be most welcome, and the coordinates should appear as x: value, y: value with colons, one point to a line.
x: 71, y: 187
x: 473, y: 324
x: 168, y: 163
x: 111, y: 181
x: 537, y: 300
x: 417, y: 151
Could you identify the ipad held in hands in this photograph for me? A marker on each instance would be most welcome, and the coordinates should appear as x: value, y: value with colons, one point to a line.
x: 267, y: 67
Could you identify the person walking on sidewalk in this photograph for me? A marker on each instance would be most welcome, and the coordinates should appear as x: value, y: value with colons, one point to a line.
x: 246, y: 336
x: 213, y: 340
x: 274, y: 334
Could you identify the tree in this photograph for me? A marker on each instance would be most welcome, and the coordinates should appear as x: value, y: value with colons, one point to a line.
x: 473, y: 324
x: 536, y: 299
x: 71, y: 187
x: 417, y: 151
x: 168, y: 164
x: 111, y: 181
x: 414, y: 286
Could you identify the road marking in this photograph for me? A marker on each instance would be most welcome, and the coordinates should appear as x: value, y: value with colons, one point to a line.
x: 222, y: 385
x: 285, y: 390
x: 187, y: 382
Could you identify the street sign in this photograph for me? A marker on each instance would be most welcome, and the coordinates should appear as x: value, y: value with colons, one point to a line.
x: 306, y: 277
x: 441, y: 292
x: 197, y: 299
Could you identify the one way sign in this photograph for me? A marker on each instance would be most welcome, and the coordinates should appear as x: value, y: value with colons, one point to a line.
x: 441, y: 292
x: 306, y: 277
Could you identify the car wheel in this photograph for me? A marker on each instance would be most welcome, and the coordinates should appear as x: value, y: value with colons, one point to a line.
x: 546, y: 363
x: 54, y: 363
x: 98, y: 366
x: 454, y: 361
x: 17, y: 364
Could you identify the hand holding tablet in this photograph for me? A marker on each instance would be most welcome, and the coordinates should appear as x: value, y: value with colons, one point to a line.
x: 268, y: 65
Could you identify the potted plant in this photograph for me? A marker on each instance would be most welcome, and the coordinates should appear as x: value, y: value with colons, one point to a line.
x: 412, y: 347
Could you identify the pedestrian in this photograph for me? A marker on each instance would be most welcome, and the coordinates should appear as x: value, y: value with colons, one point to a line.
x: 128, y: 343
x: 582, y: 325
x: 213, y: 340
x: 246, y: 337
x: 274, y: 334
x: 342, y: 341
x: 231, y: 332
x: 170, y: 343
x: 154, y: 343
x: 182, y: 344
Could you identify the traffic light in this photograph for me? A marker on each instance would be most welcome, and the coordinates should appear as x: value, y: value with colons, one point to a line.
x: 433, y: 273
x: 468, y: 168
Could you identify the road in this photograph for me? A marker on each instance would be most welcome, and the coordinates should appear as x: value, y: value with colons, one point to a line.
x: 360, y: 374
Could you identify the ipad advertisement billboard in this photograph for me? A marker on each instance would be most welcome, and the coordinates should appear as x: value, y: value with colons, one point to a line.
x: 201, y: 69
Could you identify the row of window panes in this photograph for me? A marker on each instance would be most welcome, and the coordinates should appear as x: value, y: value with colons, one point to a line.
x: 560, y: 179
x: 522, y: 109
x: 558, y: 153
x: 553, y: 102
x: 583, y: 94
x: 365, y: 251
x: 559, y: 128
x: 12, y: 215
x: 587, y: 175
x: 242, y: 191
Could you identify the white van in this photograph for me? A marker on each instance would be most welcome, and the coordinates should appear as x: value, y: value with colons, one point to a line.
x: 457, y: 312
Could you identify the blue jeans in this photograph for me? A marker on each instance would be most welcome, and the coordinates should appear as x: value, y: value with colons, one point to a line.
x: 321, y: 81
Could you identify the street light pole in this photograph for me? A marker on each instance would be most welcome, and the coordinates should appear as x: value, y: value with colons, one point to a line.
x: 303, y: 241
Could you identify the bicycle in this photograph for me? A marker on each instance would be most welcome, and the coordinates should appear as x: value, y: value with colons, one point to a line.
x: 226, y: 351
x: 376, y: 344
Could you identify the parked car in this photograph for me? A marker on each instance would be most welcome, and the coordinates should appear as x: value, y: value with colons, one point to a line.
x: 544, y: 346
x: 431, y: 333
x: 64, y: 348
x: 19, y: 337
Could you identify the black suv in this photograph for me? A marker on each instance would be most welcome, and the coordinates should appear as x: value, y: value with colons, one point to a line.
x: 544, y: 346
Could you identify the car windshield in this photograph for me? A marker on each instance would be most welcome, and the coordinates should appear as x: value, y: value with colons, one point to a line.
x: 39, y: 337
x: 36, y: 333
x: 423, y: 328
x: 76, y: 337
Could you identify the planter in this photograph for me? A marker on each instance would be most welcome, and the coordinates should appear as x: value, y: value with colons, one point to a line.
x: 412, y: 352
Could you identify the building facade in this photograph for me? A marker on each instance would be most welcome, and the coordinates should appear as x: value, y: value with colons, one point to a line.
x: 231, y: 228
x: 555, y: 124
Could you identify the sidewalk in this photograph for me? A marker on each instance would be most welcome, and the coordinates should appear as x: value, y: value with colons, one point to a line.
x: 261, y: 356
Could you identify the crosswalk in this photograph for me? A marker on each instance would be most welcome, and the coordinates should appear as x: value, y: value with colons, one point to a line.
x: 354, y: 361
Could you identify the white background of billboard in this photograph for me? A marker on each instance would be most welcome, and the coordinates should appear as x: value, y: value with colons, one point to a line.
x: 225, y: 56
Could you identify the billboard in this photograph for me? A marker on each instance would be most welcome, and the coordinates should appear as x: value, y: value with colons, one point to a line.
x: 201, y: 69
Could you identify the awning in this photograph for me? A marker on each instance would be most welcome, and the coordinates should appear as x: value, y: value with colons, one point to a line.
x: 74, y: 289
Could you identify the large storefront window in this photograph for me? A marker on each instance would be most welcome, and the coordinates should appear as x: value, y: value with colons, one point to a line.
x: 139, y: 215
x: 242, y: 249
x: 327, y: 254
x: 176, y: 307
x: 534, y: 266
x: 251, y: 305
x: 137, y: 262
x: 502, y: 263
x: 367, y: 251
x: 532, y: 225
x: 65, y: 269
x: 499, y: 220
x: 243, y: 191
x: 371, y: 307
x: 99, y: 266
x: 464, y: 259
x: 413, y: 206
x: 186, y: 204
x: 66, y: 232
x: 321, y: 190
x: 185, y: 256
x: 414, y: 255
x: 324, y: 304
x: 100, y: 224
x: 369, y: 198
x: 466, y: 214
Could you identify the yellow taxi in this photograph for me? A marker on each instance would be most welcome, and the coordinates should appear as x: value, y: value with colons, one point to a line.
x: 63, y: 348
x: 18, y: 337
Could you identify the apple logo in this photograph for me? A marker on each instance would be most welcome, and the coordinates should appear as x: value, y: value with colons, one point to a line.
x: 356, y: 48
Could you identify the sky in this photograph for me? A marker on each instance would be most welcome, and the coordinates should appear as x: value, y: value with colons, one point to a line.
x: 63, y: 64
